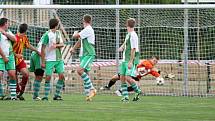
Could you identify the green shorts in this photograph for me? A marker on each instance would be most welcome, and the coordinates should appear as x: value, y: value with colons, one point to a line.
x: 57, y: 65
x: 86, y: 62
x: 124, y: 71
x: 8, y: 66
x: 35, y: 62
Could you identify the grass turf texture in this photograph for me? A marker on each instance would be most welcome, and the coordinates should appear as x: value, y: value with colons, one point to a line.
x: 110, y: 108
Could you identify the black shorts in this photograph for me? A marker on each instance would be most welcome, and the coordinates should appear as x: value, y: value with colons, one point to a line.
x: 135, y: 78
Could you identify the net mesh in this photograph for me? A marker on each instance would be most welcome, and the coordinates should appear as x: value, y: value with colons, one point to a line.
x: 161, y: 32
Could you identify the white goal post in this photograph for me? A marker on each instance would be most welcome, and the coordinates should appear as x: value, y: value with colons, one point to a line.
x: 165, y: 6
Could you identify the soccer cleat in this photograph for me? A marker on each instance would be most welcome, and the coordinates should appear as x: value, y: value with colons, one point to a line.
x: 57, y: 98
x: 125, y: 99
x: 105, y: 88
x: 137, y: 96
x: 45, y: 98
x: 118, y: 92
x: 88, y: 99
x: 92, y: 94
x: 37, y: 98
x: 20, y: 97
x: 2, y: 97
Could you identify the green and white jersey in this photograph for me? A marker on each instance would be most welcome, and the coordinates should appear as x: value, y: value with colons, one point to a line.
x: 131, y: 42
x: 48, y: 39
x: 87, y: 41
x: 6, y: 44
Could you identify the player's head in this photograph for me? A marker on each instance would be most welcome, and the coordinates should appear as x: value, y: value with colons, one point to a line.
x: 53, y: 23
x: 4, y: 23
x: 87, y: 19
x: 155, y: 59
x: 130, y: 23
x: 23, y: 28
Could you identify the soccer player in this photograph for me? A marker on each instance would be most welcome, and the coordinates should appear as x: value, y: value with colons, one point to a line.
x: 7, y: 61
x: 144, y: 68
x: 130, y: 60
x: 87, y: 54
x: 52, y: 58
x: 18, y: 47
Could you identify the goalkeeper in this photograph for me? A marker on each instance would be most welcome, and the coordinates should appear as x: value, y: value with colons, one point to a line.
x: 144, y: 68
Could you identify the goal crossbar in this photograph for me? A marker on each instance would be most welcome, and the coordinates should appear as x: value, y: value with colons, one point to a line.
x: 165, y: 6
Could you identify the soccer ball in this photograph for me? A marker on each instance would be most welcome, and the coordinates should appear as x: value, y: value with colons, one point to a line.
x: 160, y: 81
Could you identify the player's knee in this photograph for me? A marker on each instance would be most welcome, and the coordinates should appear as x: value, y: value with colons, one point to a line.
x: 80, y: 71
x: 61, y: 77
x: 26, y: 74
x: 13, y: 77
x: 48, y: 78
x: 39, y: 72
x: 39, y: 78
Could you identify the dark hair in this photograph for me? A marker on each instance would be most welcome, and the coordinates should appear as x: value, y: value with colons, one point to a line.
x: 53, y: 23
x: 23, y: 28
x: 156, y: 57
x: 131, y: 22
x: 3, y: 21
x: 87, y: 18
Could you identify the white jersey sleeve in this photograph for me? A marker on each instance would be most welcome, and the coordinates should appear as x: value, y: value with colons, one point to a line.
x: 85, y: 33
x: 134, y: 41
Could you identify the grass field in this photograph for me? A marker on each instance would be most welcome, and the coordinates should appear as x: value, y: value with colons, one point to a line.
x: 109, y: 108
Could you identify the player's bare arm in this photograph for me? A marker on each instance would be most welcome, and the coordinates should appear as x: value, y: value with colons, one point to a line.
x: 34, y: 49
x: 43, y: 55
x: 77, y: 45
x: 9, y: 36
x: 122, y: 47
x: 76, y: 35
x: 130, y: 63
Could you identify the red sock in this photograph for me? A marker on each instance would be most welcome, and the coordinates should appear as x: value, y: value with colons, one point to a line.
x: 17, y: 87
x: 23, y: 83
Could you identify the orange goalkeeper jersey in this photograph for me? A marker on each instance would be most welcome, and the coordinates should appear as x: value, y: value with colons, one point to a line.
x: 21, y: 43
x: 148, y: 66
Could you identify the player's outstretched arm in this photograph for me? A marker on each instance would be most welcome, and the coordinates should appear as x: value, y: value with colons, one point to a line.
x: 76, y: 35
x: 9, y: 35
x: 31, y: 47
x: 77, y: 45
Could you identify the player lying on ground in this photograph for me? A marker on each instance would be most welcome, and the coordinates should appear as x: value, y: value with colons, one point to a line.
x: 144, y: 68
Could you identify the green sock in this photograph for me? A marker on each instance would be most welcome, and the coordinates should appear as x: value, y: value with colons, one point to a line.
x: 59, y: 86
x: 124, y: 87
x: 36, y: 88
x: 87, y: 83
x: 136, y: 88
x: 47, y: 88
x: 12, y: 86
x: 1, y: 90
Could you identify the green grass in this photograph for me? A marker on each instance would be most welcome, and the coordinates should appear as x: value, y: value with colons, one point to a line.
x: 109, y: 108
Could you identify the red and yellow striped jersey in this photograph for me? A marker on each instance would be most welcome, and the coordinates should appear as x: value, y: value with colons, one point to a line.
x: 21, y: 43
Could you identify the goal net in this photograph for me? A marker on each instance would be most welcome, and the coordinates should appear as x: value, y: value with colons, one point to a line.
x: 182, y: 38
